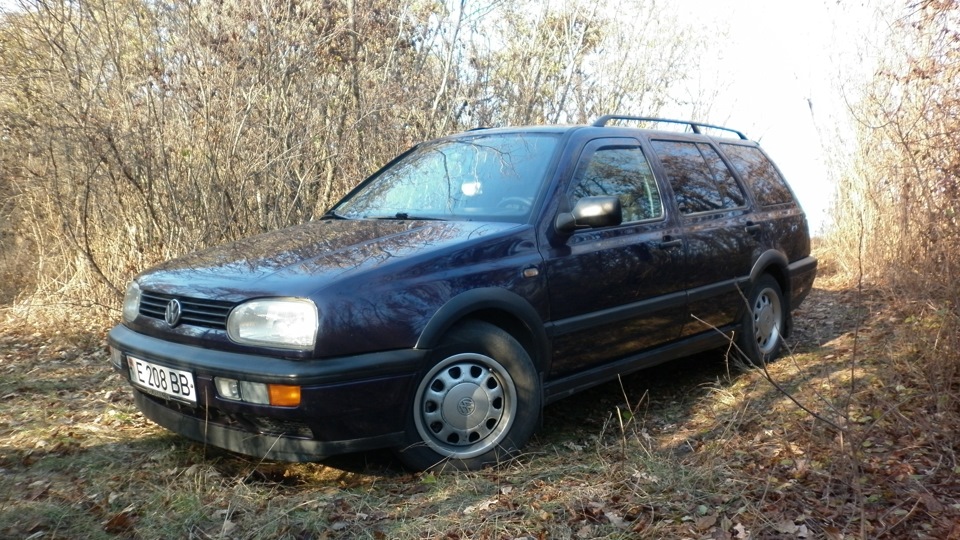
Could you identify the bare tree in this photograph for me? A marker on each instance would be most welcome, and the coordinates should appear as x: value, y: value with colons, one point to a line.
x: 135, y: 131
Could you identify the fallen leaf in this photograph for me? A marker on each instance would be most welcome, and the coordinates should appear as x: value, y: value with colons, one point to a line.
x: 786, y: 527
x: 615, y: 520
x: 931, y: 502
x: 227, y: 528
x: 585, y: 532
x: 119, y: 523
x: 574, y: 447
x: 705, y: 522
x: 832, y: 533
x: 480, y: 507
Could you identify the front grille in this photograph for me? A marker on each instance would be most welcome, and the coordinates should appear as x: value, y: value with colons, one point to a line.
x: 194, y: 311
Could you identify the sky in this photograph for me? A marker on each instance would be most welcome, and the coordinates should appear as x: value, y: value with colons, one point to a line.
x: 778, y: 72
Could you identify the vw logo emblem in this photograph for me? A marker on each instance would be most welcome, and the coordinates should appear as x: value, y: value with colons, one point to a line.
x: 466, y: 406
x: 173, y: 312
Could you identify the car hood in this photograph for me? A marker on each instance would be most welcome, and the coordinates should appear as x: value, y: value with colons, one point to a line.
x: 301, y: 260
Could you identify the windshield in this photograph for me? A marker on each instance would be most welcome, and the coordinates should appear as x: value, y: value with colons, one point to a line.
x: 494, y: 177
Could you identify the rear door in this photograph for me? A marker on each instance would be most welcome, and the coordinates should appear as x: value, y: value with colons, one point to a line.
x: 781, y: 219
x: 720, y: 234
x: 615, y: 290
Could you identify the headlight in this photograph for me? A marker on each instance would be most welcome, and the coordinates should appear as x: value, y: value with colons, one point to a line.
x: 288, y: 323
x: 131, y: 302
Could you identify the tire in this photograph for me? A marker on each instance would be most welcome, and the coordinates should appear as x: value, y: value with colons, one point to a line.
x: 476, y: 404
x: 764, y: 322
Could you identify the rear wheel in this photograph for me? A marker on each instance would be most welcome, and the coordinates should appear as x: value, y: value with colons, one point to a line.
x: 475, y: 405
x: 764, y: 321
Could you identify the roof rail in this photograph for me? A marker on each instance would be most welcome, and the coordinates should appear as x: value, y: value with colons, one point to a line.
x: 695, y: 126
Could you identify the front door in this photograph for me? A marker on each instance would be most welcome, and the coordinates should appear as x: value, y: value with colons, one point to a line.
x: 615, y: 290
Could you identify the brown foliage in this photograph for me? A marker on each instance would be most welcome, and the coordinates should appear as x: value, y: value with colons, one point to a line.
x: 897, y: 213
x: 136, y: 131
x: 898, y: 228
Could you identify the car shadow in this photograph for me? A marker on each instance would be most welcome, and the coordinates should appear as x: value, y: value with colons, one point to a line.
x: 666, y: 395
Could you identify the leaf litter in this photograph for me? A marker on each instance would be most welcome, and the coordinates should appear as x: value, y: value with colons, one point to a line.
x: 713, y: 450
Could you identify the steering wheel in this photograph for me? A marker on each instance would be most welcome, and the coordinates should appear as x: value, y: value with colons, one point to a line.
x: 519, y: 203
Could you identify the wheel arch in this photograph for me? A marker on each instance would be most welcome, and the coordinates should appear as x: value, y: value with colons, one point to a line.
x: 776, y: 264
x: 499, y: 307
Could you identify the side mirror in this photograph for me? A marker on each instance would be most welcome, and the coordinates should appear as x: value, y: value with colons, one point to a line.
x: 591, y: 212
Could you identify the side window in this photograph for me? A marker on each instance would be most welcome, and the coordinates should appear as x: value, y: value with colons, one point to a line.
x: 622, y: 171
x: 729, y: 188
x: 758, y: 172
x: 700, y: 179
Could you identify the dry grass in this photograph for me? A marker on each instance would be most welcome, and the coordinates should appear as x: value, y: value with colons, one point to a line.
x: 695, y: 449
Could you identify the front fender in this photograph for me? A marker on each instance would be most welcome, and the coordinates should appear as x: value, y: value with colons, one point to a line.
x: 501, y: 307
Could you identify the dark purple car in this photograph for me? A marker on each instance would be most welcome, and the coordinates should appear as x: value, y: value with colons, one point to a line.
x: 442, y: 303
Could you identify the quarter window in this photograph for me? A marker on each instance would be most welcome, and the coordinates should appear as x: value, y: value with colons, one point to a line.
x: 700, y: 179
x: 768, y: 187
x: 622, y: 171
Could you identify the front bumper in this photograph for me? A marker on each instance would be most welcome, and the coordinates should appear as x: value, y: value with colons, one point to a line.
x: 348, y: 404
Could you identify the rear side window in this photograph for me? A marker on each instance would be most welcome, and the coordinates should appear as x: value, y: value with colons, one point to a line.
x: 622, y: 171
x: 701, y: 181
x: 762, y: 178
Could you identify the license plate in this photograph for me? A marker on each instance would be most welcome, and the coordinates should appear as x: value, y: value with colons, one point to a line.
x: 161, y: 380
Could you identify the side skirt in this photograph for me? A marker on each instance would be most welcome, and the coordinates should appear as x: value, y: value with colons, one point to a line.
x: 560, y: 388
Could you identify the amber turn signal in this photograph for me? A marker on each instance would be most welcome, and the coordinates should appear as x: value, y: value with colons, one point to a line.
x: 282, y: 395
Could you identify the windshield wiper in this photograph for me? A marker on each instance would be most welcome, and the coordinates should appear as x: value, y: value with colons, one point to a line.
x: 403, y: 216
x: 332, y: 214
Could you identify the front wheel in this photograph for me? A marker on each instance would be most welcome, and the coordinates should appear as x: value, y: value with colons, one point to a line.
x: 476, y: 404
x: 763, y: 322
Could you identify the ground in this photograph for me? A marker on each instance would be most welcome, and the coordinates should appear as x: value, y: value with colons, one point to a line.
x: 820, y: 444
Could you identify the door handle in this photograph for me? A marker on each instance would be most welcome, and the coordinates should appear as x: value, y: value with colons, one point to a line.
x: 669, y: 242
x: 752, y: 228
